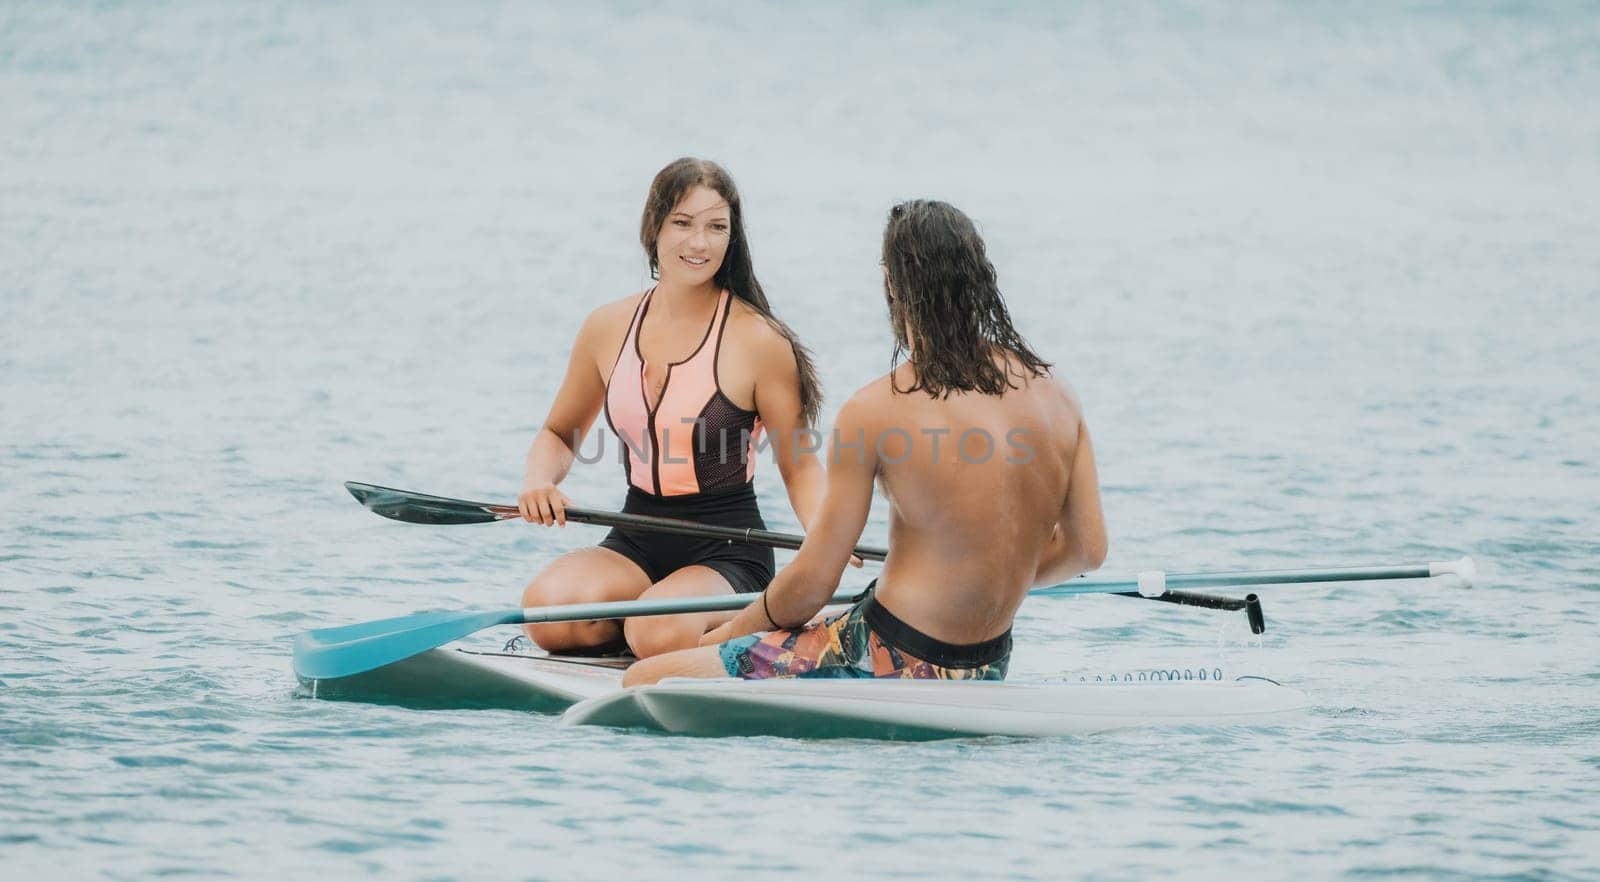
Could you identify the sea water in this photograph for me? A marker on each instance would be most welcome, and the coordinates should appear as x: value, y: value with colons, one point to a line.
x: 1326, y: 277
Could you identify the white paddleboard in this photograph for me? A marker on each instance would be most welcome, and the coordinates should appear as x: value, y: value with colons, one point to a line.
x: 457, y: 677
x: 923, y: 709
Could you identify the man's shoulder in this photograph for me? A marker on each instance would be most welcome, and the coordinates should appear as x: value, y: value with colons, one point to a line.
x: 870, y: 404
x: 1047, y: 384
x: 876, y: 392
x: 1059, y: 388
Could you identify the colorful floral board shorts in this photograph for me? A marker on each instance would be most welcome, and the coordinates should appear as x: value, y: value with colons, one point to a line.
x: 865, y: 641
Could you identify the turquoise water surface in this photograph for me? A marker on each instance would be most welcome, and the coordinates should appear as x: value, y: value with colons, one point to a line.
x: 1326, y: 276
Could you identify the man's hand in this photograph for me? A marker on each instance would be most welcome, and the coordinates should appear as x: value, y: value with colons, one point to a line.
x: 720, y: 634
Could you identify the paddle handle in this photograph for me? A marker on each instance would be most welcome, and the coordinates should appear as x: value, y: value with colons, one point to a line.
x: 1155, y: 583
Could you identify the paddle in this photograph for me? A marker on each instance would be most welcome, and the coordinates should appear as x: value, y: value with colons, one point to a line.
x: 420, y: 508
x: 329, y: 653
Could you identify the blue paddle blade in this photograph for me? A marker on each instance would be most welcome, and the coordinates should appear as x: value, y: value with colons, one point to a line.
x: 329, y: 653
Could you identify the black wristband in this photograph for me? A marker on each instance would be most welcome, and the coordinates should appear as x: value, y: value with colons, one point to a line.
x: 768, y: 613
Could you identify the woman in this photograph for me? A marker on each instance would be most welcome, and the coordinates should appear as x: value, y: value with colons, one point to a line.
x: 689, y: 374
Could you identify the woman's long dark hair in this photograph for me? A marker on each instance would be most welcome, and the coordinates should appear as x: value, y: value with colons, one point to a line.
x: 945, y: 303
x: 737, y: 274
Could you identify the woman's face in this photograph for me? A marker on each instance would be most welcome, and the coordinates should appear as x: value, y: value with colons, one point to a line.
x: 694, y: 238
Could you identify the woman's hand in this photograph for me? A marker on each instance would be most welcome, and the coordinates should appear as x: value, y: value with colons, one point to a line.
x: 544, y: 504
x: 857, y: 562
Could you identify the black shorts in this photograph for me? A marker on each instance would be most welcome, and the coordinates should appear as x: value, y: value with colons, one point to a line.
x: 748, y: 568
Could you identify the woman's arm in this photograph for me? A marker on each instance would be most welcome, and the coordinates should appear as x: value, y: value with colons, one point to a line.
x: 794, y: 443
x: 577, y: 403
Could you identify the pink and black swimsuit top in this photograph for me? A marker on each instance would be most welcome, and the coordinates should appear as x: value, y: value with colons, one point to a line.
x: 695, y: 440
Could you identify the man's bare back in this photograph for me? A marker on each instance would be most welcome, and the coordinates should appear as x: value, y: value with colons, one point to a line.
x: 977, y: 484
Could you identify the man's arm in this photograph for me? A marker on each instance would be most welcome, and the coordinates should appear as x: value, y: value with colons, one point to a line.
x: 804, y: 586
x: 1078, y: 543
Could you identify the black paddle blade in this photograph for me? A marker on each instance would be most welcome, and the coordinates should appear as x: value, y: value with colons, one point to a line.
x: 420, y: 508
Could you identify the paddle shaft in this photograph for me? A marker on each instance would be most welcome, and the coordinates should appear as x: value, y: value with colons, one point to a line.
x: 793, y: 542
x: 617, y: 609
x: 329, y: 653
x: 421, y: 508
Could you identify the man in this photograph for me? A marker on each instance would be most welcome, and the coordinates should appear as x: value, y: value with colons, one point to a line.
x: 986, y: 461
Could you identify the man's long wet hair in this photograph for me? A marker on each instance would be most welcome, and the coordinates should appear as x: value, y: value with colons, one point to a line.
x: 945, y: 304
x: 737, y: 273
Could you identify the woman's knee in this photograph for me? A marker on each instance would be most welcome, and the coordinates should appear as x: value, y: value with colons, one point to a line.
x: 563, y: 636
x: 547, y: 591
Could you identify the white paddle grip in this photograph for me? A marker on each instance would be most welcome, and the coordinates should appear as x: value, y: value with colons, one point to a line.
x: 1463, y: 569
x: 1152, y: 583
